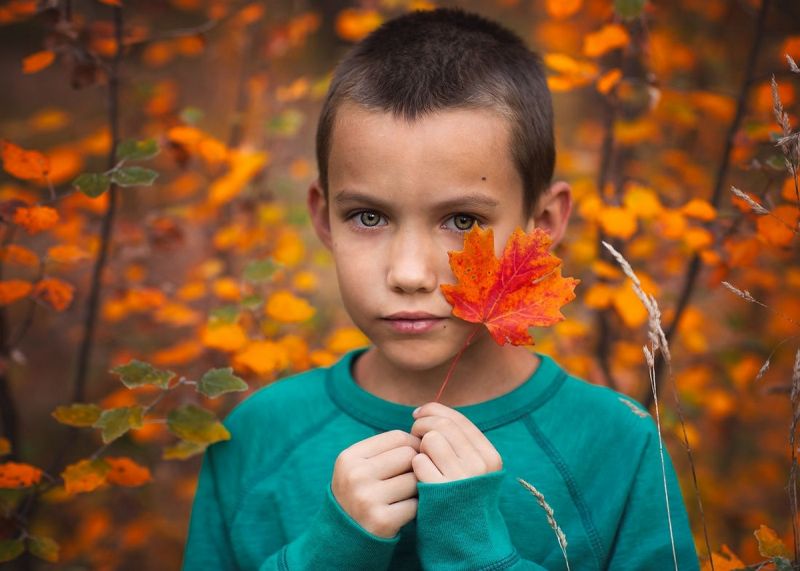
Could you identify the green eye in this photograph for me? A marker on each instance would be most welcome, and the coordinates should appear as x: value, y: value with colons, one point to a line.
x: 369, y: 218
x: 464, y: 222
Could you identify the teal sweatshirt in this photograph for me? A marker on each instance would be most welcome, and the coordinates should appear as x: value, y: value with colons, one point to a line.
x: 264, y: 499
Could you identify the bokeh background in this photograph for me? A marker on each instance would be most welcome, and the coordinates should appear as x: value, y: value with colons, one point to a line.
x: 661, y: 107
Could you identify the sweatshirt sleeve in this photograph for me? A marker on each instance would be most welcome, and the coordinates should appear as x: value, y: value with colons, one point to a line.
x: 333, y: 540
x: 460, y: 526
x: 644, y: 537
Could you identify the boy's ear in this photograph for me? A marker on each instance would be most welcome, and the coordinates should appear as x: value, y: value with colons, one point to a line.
x: 553, y: 210
x: 318, y: 209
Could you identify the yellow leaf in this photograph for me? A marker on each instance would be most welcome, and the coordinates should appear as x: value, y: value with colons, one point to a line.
x: 85, y: 476
x: 628, y: 306
x: 345, y: 339
x: 305, y: 281
x: 618, y: 222
x: 697, y: 238
x: 769, y: 544
x: 642, y: 201
x: 225, y: 337
x: 262, y: 357
x: 672, y: 224
x: 285, y: 307
x: 599, y: 295
x: 226, y: 289
x: 289, y: 248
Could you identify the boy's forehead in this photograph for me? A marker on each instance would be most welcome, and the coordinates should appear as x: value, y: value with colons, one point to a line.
x: 453, y: 151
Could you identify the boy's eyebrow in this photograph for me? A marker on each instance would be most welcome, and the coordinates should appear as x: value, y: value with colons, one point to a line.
x: 466, y: 200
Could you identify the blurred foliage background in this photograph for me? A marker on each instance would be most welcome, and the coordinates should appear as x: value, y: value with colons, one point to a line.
x: 661, y: 107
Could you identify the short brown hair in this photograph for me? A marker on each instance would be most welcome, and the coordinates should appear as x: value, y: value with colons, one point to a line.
x: 426, y: 61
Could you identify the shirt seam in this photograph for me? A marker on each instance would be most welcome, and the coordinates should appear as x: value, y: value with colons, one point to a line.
x: 572, y: 486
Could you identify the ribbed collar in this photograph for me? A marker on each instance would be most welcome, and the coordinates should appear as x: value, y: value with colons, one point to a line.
x: 385, y: 415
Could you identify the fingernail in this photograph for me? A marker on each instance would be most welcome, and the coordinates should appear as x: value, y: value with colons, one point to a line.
x: 416, y: 410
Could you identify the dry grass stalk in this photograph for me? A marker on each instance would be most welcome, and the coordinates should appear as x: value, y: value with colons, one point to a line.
x: 658, y: 341
x: 551, y: 519
x: 757, y: 208
x: 792, y: 64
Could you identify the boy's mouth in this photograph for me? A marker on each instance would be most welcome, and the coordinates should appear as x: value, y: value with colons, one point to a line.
x: 412, y: 321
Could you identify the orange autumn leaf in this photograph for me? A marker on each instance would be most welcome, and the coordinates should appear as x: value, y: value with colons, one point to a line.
x: 14, y: 254
x: 35, y: 219
x: 23, y: 164
x: 521, y: 289
x: 607, y: 38
x: 699, y: 209
x: 126, y: 472
x: 286, y: 307
x: 12, y: 290
x: 609, y: 80
x: 37, y: 61
x: 57, y: 293
x: 67, y: 254
x: 777, y: 228
x: 560, y: 9
x: 353, y: 24
x: 14, y: 475
x: 724, y: 561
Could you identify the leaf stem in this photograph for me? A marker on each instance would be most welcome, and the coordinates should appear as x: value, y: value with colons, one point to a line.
x: 455, y: 360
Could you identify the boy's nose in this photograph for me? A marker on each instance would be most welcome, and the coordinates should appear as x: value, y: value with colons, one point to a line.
x: 411, y: 266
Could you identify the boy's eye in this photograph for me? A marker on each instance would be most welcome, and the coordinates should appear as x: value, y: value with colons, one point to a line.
x: 464, y: 222
x: 369, y: 218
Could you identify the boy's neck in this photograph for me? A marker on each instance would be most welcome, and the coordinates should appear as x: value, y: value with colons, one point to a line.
x: 483, y: 372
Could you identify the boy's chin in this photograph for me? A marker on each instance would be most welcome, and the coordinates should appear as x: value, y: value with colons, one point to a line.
x: 417, y: 354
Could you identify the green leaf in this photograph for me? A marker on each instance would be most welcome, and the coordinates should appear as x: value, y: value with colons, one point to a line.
x: 191, y: 115
x: 10, y: 549
x: 43, y: 548
x: 136, y: 373
x: 92, y: 184
x: 629, y: 9
x: 225, y: 314
x: 132, y: 150
x: 286, y: 124
x: 220, y: 381
x: 134, y: 176
x: 77, y: 414
x: 252, y: 302
x: 196, y: 424
x: 117, y: 421
x: 782, y: 564
x: 9, y: 499
x: 183, y: 450
x: 259, y: 271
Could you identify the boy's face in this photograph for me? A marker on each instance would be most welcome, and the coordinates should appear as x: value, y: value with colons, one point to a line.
x: 400, y: 197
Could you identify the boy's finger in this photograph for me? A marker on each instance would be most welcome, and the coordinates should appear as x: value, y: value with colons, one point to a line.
x: 392, y: 462
x: 462, y: 446
x: 400, y: 487
x: 425, y: 470
x: 438, y: 449
x: 382, y: 442
x: 472, y: 432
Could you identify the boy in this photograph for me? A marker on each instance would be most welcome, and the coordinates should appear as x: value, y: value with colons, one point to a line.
x: 435, y: 122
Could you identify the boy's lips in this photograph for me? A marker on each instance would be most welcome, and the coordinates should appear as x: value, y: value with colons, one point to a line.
x: 412, y: 321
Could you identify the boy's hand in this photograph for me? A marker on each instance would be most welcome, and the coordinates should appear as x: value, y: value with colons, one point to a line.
x: 373, y: 482
x: 452, y: 448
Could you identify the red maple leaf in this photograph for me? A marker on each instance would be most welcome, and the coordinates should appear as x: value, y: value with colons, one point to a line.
x: 522, y: 289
